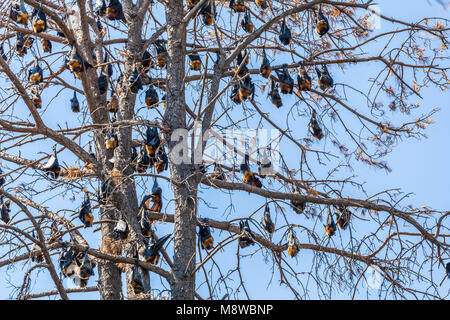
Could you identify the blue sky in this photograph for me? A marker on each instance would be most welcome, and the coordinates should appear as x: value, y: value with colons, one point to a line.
x: 418, y: 166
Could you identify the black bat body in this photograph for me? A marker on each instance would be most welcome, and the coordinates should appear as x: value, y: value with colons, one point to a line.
x: 39, y: 20
x: 246, y: 237
x: 151, y: 97
x: 74, y: 104
x: 285, y: 34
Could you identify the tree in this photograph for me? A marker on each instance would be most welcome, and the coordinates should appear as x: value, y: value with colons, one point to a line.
x: 149, y: 79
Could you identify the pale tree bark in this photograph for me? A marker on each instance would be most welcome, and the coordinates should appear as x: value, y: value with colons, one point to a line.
x: 185, y: 188
x: 183, y: 32
x: 110, y: 281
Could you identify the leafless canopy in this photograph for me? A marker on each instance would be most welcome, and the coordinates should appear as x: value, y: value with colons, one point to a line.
x: 237, y: 69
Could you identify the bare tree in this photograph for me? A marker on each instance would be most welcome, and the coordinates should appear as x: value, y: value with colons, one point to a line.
x: 146, y: 79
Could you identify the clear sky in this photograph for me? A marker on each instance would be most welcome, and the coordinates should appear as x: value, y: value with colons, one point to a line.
x: 418, y: 166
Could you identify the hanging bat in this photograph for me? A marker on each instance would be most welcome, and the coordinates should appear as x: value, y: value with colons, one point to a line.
x: 246, y: 89
x: 242, y: 58
x: 74, y: 104
x: 265, y: 165
x: 143, y: 161
x: 102, y: 83
x: 161, y: 160
x: 234, y: 96
x: 20, y: 47
x: 35, y: 74
x: 5, y: 210
x: 322, y: 26
x: 104, y: 190
x: 163, y: 99
x: 114, y: 10
x: 121, y: 229
x: 116, y: 176
x: 343, y: 216
x: 152, y: 254
x: 207, y: 13
x: 19, y: 13
x: 298, y: 206
x: 285, y: 34
x: 151, y: 97
x: 161, y: 58
x: 293, y: 247
x: 86, y: 269
x: 100, y: 8
x: 101, y: 29
x: 286, y: 81
x: 325, y: 80
x: 2, y: 53
x: 195, y: 62
x: 249, y: 177
x: 76, y: 64
x: 109, y: 67
x: 314, y: 127
x: 267, y: 222
x: 330, y: 228
x: 29, y: 40
x: 2, y: 179
x: 112, y: 140
x: 113, y: 103
x: 155, y: 197
x: 119, y: 85
x: 274, y: 95
x: 67, y: 262
x: 237, y: 5
x: 247, y: 23
x: 85, y: 215
x: 147, y: 61
x: 152, y: 141
x: 262, y: 4
x: 52, y: 168
x: 204, y: 232
x: 88, y: 165
x: 246, y: 237
x: 135, y: 81
x: 38, y: 20
x: 36, y: 257
x: 303, y: 79
x: 146, y: 227
x: 242, y: 61
x: 46, y: 46
x: 136, y: 282
x: 265, y: 69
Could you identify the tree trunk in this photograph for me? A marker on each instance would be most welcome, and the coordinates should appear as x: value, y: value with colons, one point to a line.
x: 183, y: 287
x: 185, y: 185
x: 109, y: 275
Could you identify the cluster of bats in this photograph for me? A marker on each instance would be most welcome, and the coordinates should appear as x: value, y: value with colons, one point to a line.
x: 151, y: 153
x: 77, y: 265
